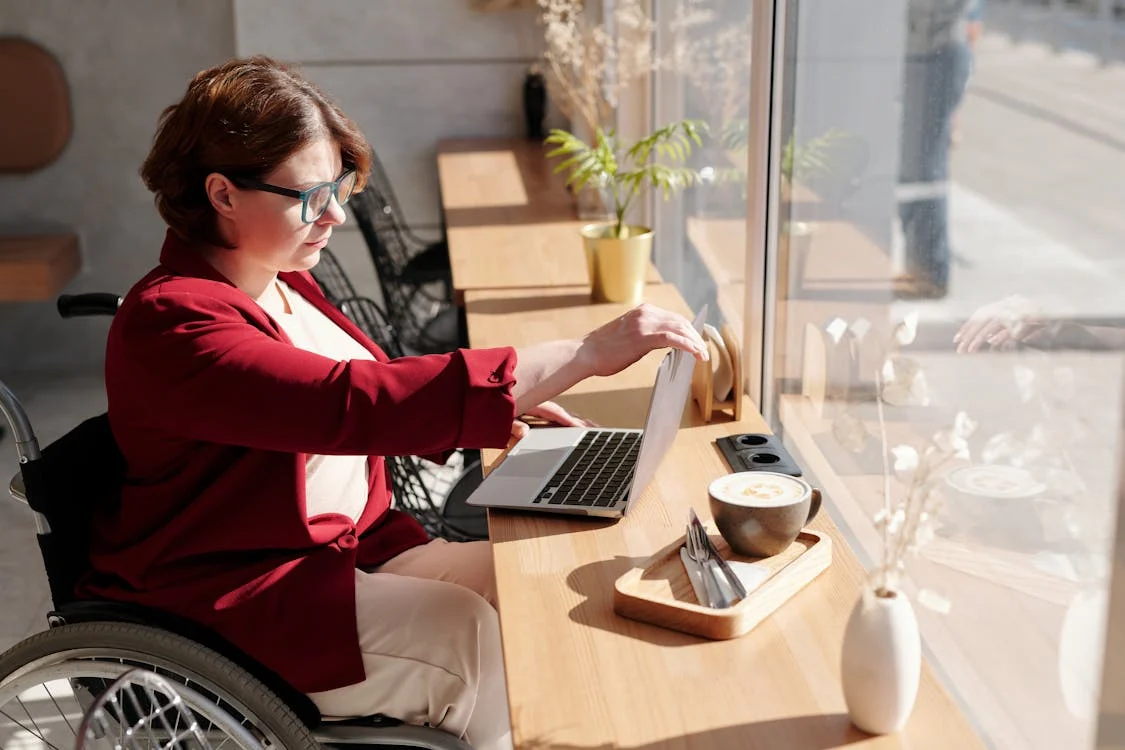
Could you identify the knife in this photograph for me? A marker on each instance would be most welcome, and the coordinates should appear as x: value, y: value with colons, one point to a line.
x: 735, y: 583
x: 695, y: 575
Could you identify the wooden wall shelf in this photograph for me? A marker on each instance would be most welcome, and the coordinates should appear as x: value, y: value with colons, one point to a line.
x: 37, y: 267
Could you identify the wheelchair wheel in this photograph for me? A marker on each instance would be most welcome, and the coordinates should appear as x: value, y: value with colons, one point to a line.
x: 142, y: 709
x: 50, y: 680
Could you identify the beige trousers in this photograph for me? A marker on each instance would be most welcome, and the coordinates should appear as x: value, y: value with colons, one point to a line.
x: 430, y: 639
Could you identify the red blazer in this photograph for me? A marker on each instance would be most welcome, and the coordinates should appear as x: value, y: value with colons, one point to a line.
x: 214, y: 410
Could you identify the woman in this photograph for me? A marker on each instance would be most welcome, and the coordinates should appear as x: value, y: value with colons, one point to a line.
x: 253, y: 417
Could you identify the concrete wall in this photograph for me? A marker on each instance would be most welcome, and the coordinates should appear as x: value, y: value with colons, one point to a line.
x: 125, y: 60
x: 410, y: 74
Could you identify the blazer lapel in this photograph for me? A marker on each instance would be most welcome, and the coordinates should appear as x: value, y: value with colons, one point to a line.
x: 181, y: 258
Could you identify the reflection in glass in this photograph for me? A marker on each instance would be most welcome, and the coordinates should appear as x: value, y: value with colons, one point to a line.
x: 987, y: 216
x: 955, y: 166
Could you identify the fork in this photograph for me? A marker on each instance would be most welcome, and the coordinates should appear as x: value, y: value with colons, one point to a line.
x: 698, y: 552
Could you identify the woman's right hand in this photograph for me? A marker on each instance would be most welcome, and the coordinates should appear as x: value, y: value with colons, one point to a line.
x: 619, y: 343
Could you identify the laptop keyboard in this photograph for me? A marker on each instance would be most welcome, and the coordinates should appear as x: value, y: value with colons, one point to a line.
x: 597, y: 472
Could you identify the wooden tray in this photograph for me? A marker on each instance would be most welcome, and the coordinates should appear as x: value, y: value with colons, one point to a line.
x: 660, y: 593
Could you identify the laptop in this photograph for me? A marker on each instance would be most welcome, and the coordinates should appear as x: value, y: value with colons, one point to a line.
x: 593, y: 471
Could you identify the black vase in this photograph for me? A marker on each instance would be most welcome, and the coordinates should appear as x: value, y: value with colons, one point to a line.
x: 534, y: 103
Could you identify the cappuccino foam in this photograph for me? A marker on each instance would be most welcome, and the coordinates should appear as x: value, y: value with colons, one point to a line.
x: 758, y: 490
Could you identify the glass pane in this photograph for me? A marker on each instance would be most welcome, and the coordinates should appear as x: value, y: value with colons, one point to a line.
x: 950, y: 243
x: 701, y: 234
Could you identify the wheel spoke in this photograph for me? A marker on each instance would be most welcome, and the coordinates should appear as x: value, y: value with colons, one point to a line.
x: 62, y: 713
x: 144, y: 718
x: 160, y: 712
x: 179, y: 715
x: 39, y: 733
x: 224, y: 717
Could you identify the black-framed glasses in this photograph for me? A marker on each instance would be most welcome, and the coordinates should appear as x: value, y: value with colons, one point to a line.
x: 315, y: 200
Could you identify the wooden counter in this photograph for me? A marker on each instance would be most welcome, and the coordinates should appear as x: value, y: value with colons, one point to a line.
x: 579, y: 676
x: 510, y: 221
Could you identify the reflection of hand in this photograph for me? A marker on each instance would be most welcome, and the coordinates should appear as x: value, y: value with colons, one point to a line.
x: 622, y: 341
x: 552, y: 413
x: 1008, y: 321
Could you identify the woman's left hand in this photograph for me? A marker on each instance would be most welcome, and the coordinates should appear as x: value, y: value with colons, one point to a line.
x: 552, y: 413
x: 519, y: 430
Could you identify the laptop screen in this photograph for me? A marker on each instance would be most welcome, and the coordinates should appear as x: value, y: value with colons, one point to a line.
x: 665, y: 410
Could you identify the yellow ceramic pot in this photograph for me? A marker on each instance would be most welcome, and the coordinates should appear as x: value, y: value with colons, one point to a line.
x: 618, y: 266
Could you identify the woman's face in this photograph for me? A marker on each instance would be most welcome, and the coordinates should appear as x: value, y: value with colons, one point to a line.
x: 268, y: 229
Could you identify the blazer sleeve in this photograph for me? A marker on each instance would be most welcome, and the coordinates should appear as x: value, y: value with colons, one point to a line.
x: 197, y: 367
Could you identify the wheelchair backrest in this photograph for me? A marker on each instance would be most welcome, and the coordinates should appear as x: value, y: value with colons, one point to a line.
x: 81, y: 471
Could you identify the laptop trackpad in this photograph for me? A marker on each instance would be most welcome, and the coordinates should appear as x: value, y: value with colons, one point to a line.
x: 533, y: 463
x: 526, y: 468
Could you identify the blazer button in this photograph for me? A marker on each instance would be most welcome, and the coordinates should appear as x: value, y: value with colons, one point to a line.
x: 347, y: 541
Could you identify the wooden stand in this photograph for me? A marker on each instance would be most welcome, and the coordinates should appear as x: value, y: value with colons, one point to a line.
x: 703, y: 379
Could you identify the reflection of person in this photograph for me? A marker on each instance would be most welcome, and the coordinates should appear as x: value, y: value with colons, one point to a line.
x: 253, y: 416
x: 1016, y: 321
x: 936, y: 69
x: 974, y: 27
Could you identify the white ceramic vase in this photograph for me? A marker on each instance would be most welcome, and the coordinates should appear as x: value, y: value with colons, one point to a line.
x: 882, y: 661
x: 1081, y: 647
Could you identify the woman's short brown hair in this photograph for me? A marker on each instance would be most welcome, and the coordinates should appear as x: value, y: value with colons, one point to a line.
x: 242, y: 119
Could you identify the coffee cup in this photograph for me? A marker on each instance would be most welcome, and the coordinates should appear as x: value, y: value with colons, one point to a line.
x: 760, y: 513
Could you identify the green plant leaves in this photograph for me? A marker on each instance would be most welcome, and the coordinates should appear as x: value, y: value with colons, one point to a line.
x: 813, y: 159
x: 626, y: 170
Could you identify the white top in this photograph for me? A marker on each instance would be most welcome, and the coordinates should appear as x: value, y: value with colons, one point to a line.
x: 333, y: 484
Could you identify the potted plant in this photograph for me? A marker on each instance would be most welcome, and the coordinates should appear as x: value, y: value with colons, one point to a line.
x: 592, y: 56
x: 618, y: 253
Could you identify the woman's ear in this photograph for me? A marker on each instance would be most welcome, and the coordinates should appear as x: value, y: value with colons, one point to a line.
x: 221, y: 193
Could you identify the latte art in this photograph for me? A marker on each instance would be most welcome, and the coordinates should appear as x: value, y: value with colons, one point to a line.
x: 759, y: 490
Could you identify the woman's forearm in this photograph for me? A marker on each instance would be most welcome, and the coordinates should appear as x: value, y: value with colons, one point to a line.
x: 545, y: 370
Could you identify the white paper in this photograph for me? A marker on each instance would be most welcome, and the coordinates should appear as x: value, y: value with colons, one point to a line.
x: 752, y: 575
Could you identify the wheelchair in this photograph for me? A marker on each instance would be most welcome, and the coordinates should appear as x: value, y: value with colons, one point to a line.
x: 142, y: 710
x: 50, y: 680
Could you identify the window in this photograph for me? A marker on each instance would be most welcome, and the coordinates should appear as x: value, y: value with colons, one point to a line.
x: 941, y: 167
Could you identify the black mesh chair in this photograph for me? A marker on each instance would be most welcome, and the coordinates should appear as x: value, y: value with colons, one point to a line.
x: 423, y: 263
x: 407, y: 270
x: 454, y: 520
